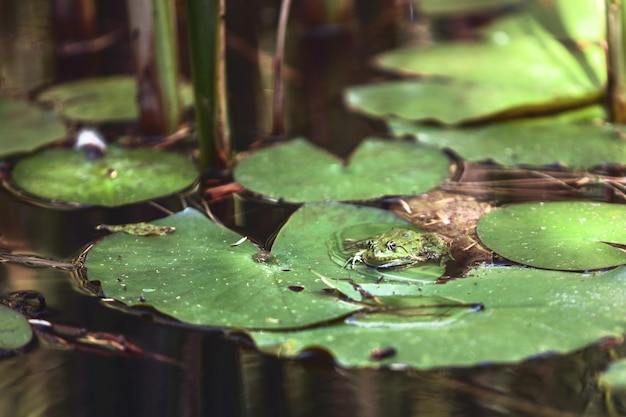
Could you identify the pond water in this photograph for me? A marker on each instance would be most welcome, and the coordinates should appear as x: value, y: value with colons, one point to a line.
x: 117, y: 364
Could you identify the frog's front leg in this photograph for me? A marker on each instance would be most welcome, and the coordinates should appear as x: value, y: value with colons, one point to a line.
x: 357, y: 257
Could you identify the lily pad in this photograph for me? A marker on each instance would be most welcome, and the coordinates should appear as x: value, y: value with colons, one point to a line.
x: 24, y: 127
x: 99, y: 100
x: 376, y: 168
x: 122, y: 176
x: 526, y: 313
x: 498, y: 77
x: 15, y: 331
x: 196, y: 275
x: 577, y: 145
x: 558, y: 235
x: 496, y: 314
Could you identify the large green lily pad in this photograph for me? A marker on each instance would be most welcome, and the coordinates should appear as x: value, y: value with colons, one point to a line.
x: 24, y: 127
x: 197, y: 273
x: 122, y: 176
x: 15, y: 331
x: 578, y: 145
x: 557, y: 235
x: 99, y: 100
x: 496, y: 314
x: 299, y: 171
x: 527, y: 312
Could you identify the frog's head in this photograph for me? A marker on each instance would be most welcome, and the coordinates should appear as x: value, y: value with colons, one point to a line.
x: 395, y: 246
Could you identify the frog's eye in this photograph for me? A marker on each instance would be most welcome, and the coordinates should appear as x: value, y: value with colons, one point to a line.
x: 370, y: 244
x: 391, y: 245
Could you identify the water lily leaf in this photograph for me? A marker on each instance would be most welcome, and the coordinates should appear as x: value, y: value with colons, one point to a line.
x: 376, y: 168
x: 527, y: 312
x: 497, y: 77
x: 198, y: 276
x: 535, y: 62
x: 122, y: 176
x: 452, y: 103
x: 15, y: 331
x: 98, y: 100
x: 496, y: 314
x: 558, y: 235
x: 24, y: 127
x: 577, y: 145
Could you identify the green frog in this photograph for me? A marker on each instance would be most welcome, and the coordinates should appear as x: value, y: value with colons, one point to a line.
x: 399, y: 248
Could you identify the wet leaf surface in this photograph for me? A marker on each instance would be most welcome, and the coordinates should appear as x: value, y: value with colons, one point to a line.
x: 122, y: 176
x: 496, y: 314
x: 99, y: 100
x: 24, y: 127
x: 376, y: 168
x: 577, y: 145
x: 196, y: 275
x: 527, y: 312
x: 558, y: 235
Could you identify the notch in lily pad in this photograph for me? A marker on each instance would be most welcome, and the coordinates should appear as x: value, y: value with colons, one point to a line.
x: 298, y: 171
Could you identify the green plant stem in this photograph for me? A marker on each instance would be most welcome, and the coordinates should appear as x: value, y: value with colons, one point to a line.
x: 206, y: 45
x: 278, y: 107
x: 616, y: 57
x: 153, y: 26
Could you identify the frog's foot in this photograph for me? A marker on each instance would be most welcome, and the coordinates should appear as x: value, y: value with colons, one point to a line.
x: 357, y: 257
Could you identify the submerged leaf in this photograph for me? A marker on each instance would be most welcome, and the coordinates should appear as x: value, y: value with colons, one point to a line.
x: 376, y: 168
x: 558, y: 235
